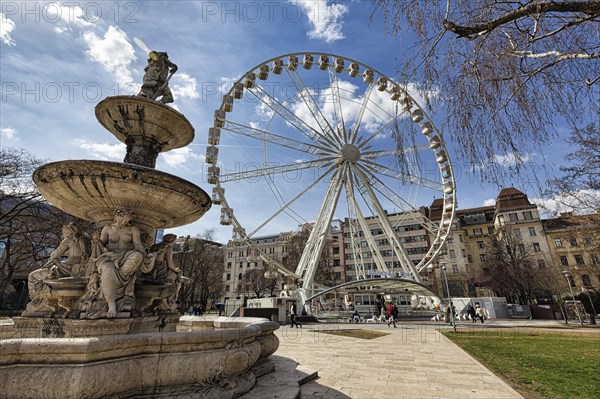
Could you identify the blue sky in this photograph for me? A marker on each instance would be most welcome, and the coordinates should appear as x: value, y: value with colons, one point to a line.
x: 59, y: 59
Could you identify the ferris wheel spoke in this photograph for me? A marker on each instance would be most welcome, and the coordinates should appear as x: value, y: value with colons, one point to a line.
x: 384, y: 222
x: 398, y: 201
x: 362, y: 144
x: 312, y: 106
x: 385, y: 153
x: 373, y: 247
x: 334, y: 87
x: 273, y: 138
x: 361, y: 113
x: 403, y: 176
x: 284, y: 207
x: 276, y: 170
x: 316, y: 240
x: 289, y: 116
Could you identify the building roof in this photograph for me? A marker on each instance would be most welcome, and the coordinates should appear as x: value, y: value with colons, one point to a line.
x: 510, y: 198
x: 570, y: 221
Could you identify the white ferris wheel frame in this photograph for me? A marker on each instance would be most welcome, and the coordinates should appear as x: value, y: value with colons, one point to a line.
x: 342, y: 164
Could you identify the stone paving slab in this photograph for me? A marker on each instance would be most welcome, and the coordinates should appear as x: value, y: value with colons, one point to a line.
x: 413, y: 361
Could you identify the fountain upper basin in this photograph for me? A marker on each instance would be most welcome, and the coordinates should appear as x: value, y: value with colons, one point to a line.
x: 92, y: 190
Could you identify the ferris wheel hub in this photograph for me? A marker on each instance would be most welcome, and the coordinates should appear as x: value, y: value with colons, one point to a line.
x: 350, y: 152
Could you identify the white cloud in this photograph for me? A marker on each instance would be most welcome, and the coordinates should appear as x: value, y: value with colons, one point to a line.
x: 489, y: 202
x: 8, y: 133
x: 103, y: 151
x: 69, y: 14
x: 325, y: 19
x: 511, y: 159
x: 579, y: 202
x: 179, y: 156
x: 114, y: 52
x: 184, y: 86
x: 6, y: 27
x: 380, y: 110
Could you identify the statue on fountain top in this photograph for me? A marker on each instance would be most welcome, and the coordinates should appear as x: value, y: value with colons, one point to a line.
x: 156, y: 77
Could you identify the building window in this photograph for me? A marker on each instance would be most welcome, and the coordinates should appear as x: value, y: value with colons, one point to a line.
x: 483, y: 257
x: 528, y: 215
x: 573, y: 241
x: 521, y: 248
x: 240, y: 276
x: 513, y: 217
x: 541, y: 264
x: 585, y: 279
x: 478, y: 232
x: 536, y: 247
x: 501, y: 220
x: 564, y: 261
x: 452, y: 254
x: 579, y: 260
x: 469, y: 258
x: 336, y: 262
x: 558, y: 242
x: 454, y: 269
x: 480, y: 244
x: 228, y: 277
x: 532, y: 232
x: 336, y: 250
x: 229, y: 265
x: 518, y: 232
x: 226, y: 288
x: 490, y: 229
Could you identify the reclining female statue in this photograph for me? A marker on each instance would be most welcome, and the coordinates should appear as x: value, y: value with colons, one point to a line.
x: 119, y: 254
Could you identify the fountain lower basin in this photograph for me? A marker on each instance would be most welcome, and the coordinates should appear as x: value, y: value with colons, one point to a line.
x: 206, y: 358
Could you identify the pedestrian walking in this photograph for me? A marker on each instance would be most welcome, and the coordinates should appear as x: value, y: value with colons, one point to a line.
x: 471, y: 313
x: 294, y: 315
x: 480, y: 313
x: 390, y: 313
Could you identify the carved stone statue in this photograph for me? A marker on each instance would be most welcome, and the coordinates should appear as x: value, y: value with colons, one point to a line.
x: 120, y: 255
x: 75, y: 247
x: 166, y: 272
x: 156, y: 79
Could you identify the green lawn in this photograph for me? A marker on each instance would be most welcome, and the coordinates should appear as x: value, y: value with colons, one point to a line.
x: 538, y: 364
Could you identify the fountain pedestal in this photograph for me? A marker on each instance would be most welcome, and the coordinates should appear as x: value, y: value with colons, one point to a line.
x: 69, y: 343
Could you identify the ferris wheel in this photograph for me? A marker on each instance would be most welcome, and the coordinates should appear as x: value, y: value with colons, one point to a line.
x: 310, y: 138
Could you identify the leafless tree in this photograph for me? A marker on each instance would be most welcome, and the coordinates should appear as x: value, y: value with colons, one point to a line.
x: 324, y: 273
x: 201, y: 260
x: 256, y: 282
x: 579, y: 187
x: 503, y: 72
x: 512, y: 269
x: 30, y: 228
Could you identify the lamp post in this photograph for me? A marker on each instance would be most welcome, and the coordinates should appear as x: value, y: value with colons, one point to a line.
x: 449, y: 298
x: 593, y: 317
x: 568, y: 277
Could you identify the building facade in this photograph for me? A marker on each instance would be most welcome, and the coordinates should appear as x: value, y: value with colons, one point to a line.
x: 550, y: 242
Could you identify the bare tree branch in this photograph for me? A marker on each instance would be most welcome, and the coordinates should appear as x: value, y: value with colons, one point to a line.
x: 470, y: 32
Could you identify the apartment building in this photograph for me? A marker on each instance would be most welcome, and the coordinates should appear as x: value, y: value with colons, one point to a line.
x: 467, y: 247
x: 574, y: 243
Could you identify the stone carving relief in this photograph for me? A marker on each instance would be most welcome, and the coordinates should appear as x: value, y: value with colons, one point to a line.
x: 107, y: 268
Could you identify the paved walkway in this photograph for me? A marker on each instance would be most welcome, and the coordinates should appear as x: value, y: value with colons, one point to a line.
x: 414, y: 361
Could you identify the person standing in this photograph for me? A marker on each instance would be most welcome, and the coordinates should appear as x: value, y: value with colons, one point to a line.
x: 471, y: 313
x: 294, y: 315
x: 480, y: 313
x: 390, y: 313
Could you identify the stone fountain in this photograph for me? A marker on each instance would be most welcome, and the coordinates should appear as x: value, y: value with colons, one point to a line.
x: 103, y: 323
